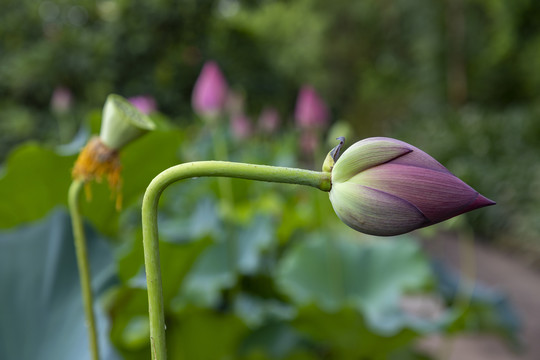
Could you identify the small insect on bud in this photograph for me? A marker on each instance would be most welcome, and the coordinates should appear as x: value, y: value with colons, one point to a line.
x: 385, y: 187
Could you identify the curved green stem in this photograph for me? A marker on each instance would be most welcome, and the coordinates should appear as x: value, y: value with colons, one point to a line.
x: 82, y: 263
x: 319, y: 180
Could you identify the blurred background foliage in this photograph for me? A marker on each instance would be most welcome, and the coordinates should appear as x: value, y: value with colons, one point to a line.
x: 456, y: 78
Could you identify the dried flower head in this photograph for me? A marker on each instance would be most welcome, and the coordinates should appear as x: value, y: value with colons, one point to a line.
x: 122, y: 123
x: 97, y: 161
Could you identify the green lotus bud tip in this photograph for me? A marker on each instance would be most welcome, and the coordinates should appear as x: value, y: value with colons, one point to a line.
x: 122, y: 122
x: 333, y: 155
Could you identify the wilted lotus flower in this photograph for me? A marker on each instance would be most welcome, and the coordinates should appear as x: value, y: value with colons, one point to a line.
x: 311, y: 111
x: 385, y: 187
x: 122, y: 123
x: 146, y: 104
x: 210, y: 92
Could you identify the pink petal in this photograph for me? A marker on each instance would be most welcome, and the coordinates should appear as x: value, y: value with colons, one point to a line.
x: 479, y: 202
x: 416, y: 157
x: 375, y: 212
x: 144, y: 103
x: 439, y: 195
x: 269, y: 120
x: 311, y: 110
x: 365, y: 154
x: 210, y: 91
x: 241, y: 127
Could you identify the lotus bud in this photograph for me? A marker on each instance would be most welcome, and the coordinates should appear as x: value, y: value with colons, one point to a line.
x: 309, y: 142
x: 122, y: 123
x: 61, y: 100
x: 333, y: 155
x: 146, y: 104
x: 241, y: 127
x: 385, y: 187
x: 311, y: 110
x: 269, y: 120
x: 235, y: 103
x: 210, y: 91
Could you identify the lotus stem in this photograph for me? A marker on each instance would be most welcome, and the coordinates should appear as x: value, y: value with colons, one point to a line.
x: 83, y: 264
x: 319, y: 180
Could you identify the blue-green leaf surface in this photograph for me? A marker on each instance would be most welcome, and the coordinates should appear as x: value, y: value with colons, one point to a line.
x: 41, y: 307
x: 370, y: 276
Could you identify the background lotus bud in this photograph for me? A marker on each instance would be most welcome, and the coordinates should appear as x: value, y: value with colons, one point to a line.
x: 210, y: 91
x: 240, y: 126
x: 122, y: 122
x: 309, y: 142
x: 311, y: 110
x: 268, y: 120
x: 235, y: 103
x: 144, y: 103
x: 61, y: 100
x: 385, y: 187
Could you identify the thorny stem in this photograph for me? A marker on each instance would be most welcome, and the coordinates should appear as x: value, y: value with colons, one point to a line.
x: 319, y: 180
x: 83, y: 264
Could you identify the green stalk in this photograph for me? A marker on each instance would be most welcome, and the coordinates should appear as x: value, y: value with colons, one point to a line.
x: 221, y: 152
x: 83, y: 265
x: 319, y: 180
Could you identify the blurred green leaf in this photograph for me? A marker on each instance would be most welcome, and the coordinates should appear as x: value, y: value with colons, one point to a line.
x: 136, y: 334
x: 370, y: 276
x: 212, y: 272
x: 477, y: 307
x: 257, y: 311
x: 276, y: 340
x: 220, y: 265
x: 42, y: 315
x: 204, y: 335
x: 128, y: 309
x: 35, y: 180
x: 176, y: 261
x: 202, y: 221
x: 252, y: 241
x: 344, y: 334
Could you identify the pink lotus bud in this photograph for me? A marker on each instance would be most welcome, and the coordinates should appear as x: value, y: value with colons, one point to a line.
x: 384, y: 187
x: 234, y: 103
x: 144, y: 103
x: 311, y: 111
x: 309, y: 142
x: 269, y: 120
x: 210, y: 92
x: 240, y: 126
x: 61, y: 100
